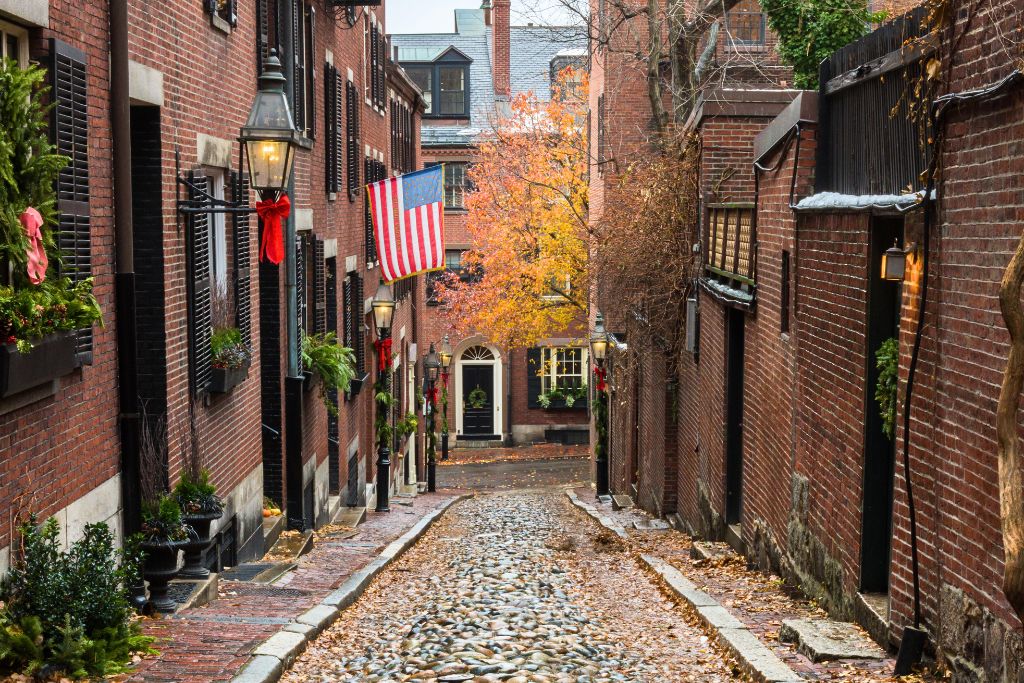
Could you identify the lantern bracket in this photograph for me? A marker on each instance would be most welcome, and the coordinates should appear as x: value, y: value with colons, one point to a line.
x: 205, y: 202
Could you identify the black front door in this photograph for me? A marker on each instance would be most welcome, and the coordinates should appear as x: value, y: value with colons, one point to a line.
x: 477, y: 400
x: 734, y: 418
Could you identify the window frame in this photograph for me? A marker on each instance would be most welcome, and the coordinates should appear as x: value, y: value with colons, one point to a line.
x: 446, y: 61
x: 218, y: 237
x: 551, y: 357
x: 21, y: 34
x: 742, y: 43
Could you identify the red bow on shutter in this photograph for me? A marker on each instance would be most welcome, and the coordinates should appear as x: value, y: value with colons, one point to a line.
x: 383, y: 353
x: 272, y: 213
x: 32, y: 220
x: 601, y: 375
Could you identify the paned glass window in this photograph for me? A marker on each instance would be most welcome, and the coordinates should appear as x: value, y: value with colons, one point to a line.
x: 563, y: 367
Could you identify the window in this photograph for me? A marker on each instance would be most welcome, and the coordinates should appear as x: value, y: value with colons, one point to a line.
x: 452, y: 90
x: 445, y: 84
x: 729, y: 240
x: 224, y: 10
x: 745, y: 27
x: 403, y: 154
x: 423, y: 77
x: 303, y: 32
x: 354, y: 333
x: 562, y: 368
x: 452, y: 259
x: 455, y: 184
x: 218, y: 240
x: 14, y: 43
x: 375, y: 61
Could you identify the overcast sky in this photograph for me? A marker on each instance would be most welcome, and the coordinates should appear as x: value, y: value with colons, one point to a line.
x: 437, y: 16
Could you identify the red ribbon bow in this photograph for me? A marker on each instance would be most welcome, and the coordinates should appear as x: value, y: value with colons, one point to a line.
x: 272, y: 212
x: 601, y: 375
x: 432, y: 395
x: 32, y: 221
x: 444, y: 378
x: 383, y: 353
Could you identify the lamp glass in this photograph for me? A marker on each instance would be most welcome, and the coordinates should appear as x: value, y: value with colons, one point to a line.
x: 445, y: 353
x: 269, y: 133
x: 270, y: 164
x: 432, y: 364
x: 599, y: 340
x: 383, y: 305
x: 894, y: 264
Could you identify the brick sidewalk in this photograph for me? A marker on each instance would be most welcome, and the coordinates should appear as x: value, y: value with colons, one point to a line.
x: 540, y: 451
x: 211, y: 643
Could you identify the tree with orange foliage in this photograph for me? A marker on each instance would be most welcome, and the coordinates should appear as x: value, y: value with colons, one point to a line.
x: 526, y: 276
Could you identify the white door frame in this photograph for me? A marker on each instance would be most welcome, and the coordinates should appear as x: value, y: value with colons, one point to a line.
x: 499, y: 394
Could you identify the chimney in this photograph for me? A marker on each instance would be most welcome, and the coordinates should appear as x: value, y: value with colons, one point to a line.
x: 486, y: 7
x: 501, y: 58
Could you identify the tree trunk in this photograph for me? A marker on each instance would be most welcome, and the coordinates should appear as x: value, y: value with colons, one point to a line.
x: 655, y: 51
x: 1011, y: 484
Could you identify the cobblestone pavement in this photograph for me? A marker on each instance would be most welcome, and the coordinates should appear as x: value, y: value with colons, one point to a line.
x: 514, y: 586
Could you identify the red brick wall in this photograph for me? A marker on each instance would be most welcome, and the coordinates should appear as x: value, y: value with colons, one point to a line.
x: 56, y: 450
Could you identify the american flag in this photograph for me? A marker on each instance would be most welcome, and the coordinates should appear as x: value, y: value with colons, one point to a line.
x: 408, y: 222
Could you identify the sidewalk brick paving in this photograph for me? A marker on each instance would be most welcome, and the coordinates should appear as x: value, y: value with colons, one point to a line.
x: 540, y: 451
x: 761, y: 601
x: 211, y: 643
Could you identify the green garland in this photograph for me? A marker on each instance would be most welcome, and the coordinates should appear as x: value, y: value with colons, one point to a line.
x: 601, y: 425
x: 811, y: 30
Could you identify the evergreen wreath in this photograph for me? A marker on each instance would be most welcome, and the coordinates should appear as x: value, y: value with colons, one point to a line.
x: 477, y: 398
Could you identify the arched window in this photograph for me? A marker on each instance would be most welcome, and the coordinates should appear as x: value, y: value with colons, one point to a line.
x: 477, y: 353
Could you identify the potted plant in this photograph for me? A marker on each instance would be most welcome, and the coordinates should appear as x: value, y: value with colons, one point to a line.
x: 200, y: 506
x: 163, y: 535
x: 333, y: 363
x: 231, y: 359
x: 38, y: 310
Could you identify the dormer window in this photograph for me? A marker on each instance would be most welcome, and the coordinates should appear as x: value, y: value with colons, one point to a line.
x: 444, y: 82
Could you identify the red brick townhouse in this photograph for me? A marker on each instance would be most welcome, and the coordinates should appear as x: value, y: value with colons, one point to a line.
x: 59, y: 442
x: 188, y: 76
x: 468, y: 78
x: 780, y: 445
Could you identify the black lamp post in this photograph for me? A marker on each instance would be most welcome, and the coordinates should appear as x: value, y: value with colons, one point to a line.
x: 383, y: 305
x: 432, y: 368
x: 599, y: 351
x: 445, y: 353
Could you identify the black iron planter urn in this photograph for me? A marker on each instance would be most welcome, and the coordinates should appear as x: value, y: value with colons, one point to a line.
x: 51, y: 357
x: 159, y: 568
x: 196, y: 547
x: 224, y: 380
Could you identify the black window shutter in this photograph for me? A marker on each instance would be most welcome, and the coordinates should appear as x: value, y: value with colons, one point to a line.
x: 319, y: 287
x: 298, y: 44
x: 242, y: 238
x: 533, y: 380
x: 71, y: 136
x: 262, y: 33
x: 233, y: 12
x: 357, y: 326
x: 330, y: 129
x: 352, y: 154
x: 200, y: 318
x: 310, y: 69
x: 347, y: 337
x: 371, y: 245
x: 374, y: 54
x: 382, y: 56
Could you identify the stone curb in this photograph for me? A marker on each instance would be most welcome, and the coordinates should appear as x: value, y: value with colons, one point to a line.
x: 753, y: 656
x: 269, y: 659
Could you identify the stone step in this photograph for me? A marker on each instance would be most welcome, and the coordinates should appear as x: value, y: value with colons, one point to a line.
x: 822, y: 640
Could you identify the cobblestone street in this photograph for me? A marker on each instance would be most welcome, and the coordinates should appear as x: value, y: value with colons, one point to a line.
x: 513, y: 586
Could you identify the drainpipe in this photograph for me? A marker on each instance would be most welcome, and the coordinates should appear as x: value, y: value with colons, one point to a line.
x: 293, y: 379
x: 124, y: 279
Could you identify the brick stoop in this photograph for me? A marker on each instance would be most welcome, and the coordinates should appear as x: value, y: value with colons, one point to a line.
x: 252, y: 631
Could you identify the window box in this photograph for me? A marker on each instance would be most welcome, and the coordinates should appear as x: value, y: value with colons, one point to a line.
x: 224, y: 380
x: 309, y: 379
x: 560, y: 404
x: 51, y: 357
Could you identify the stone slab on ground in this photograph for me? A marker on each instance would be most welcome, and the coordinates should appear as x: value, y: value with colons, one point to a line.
x: 822, y: 640
x: 651, y: 525
x: 251, y: 632
x: 621, y: 502
x: 709, y: 550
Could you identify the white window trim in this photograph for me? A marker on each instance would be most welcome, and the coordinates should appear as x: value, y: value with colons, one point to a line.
x: 218, y: 236
x: 22, y: 34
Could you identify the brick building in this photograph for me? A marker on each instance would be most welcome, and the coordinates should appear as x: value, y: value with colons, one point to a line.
x: 191, y: 75
x: 778, y: 444
x: 469, y: 78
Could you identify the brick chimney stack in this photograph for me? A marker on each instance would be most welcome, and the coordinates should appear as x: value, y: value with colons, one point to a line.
x: 501, y: 58
x: 486, y: 7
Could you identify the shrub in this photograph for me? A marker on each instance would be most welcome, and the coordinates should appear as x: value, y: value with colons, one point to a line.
x: 887, y: 361
x: 228, y: 350
x: 69, y: 611
x: 336, y: 364
x: 196, y: 495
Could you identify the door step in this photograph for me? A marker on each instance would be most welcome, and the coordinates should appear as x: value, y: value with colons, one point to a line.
x: 734, y: 537
x: 871, y: 610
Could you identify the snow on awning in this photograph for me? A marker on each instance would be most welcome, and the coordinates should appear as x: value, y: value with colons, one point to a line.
x: 835, y: 201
